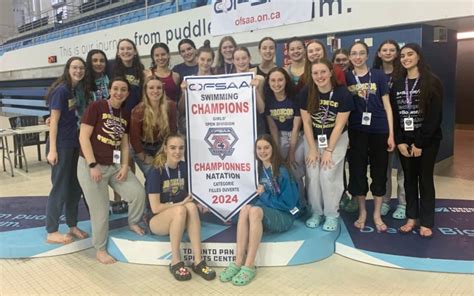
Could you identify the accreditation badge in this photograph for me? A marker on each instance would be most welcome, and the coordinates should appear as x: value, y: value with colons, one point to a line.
x: 117, y: 156
x: 366, y: 118
x: 322, y: 141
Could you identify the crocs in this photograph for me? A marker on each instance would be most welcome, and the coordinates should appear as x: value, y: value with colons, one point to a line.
x: 204, y: 271
x: 331, y: 224
x: 244, y: 277
x: 399, y: 213
x: 352, y: 206
x: 345, y: 199
x: 314, y: 221
x: 385, y: 209
x: 229, y: 272
x: 180, y: 272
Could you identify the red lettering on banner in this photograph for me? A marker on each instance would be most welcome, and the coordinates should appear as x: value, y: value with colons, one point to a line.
x: 220, y: 108
x: 221, y: 166
x: 220, y: 199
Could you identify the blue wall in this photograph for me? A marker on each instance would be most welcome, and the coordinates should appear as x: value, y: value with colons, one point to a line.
x: 441, y: 57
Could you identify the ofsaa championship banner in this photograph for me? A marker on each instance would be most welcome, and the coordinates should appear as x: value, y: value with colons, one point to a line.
x: 221, y: 132
x: 232, y: 16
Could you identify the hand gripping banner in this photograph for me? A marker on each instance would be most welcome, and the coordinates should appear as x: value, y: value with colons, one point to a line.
x: 221, y: 132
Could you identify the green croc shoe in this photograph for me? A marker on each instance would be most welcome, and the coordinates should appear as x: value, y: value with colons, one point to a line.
x: 314, y: 221
x: 229, y: 272
x: 385, y: 209
x: 244, y: 277
x: 399, y: 213
x: 352, y: 206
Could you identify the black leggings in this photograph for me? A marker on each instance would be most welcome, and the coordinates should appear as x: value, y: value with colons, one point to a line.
x: 367, y: 148
x: 419, y: 174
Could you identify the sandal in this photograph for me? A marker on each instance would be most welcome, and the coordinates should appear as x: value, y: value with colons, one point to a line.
x: 229, y: 272
x: 331, y: 224
x: 204, y: 271
x: 244, y: 277
x: 399, y: 213
x: 314, y: 221
x: 381, y: 227
x: 180, y: 272
x: 359, y: 224
x: 385, y: 209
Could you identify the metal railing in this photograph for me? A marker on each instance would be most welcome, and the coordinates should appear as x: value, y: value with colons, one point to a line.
x: 146, y: 12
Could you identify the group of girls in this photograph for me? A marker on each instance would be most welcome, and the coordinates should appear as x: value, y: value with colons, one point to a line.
x: 340, y: 105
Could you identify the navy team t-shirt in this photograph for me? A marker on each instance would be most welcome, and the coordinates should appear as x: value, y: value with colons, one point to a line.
x: 378, y: 88
x: 63, y: 100
x: 341, y: 101
x: 173, y: 187
x: 282, y: 112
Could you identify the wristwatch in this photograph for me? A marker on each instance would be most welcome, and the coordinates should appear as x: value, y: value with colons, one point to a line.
x: 92, y: 164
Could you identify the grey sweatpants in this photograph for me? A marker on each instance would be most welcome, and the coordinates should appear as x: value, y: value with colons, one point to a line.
x: 298, y: 170
x: 325, y: 186
x: 400, y: 188
x: 97, y: 197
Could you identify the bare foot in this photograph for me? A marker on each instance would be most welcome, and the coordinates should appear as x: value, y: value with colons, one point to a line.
x: 78, y: 233
x: 408, y: 227
x: 426, y: 232
x: 104, y: 257
x: 137, y: 229
x: 58, y: 238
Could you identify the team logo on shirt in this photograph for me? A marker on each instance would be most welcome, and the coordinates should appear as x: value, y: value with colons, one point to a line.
x: 221, y: 141
x: 362, y: 89
x: 282, y: 114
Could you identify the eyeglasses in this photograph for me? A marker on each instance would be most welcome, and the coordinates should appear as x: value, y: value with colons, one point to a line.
x: 360, y: 53
x: 341, y: 60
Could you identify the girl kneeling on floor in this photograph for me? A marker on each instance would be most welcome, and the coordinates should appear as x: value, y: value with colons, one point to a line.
x: 275, y: 210
x: 173, y: 208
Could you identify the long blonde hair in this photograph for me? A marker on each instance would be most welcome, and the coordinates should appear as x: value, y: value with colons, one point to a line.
x: 160, y: 158
x: 152, y: 121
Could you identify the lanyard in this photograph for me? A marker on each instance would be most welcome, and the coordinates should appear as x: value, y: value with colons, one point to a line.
x: 359, y: 84
x: 409, y: 94
x: 117, y: 124
x: 231, y: 66
x: 275, y: 186
x: 326, y: 112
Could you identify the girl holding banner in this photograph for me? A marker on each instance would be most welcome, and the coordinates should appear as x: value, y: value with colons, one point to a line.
x: 241, y: 58
x: 275, y: 210
x: 205, y: 58
x: 173, y: 208
x: 325, y: 109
